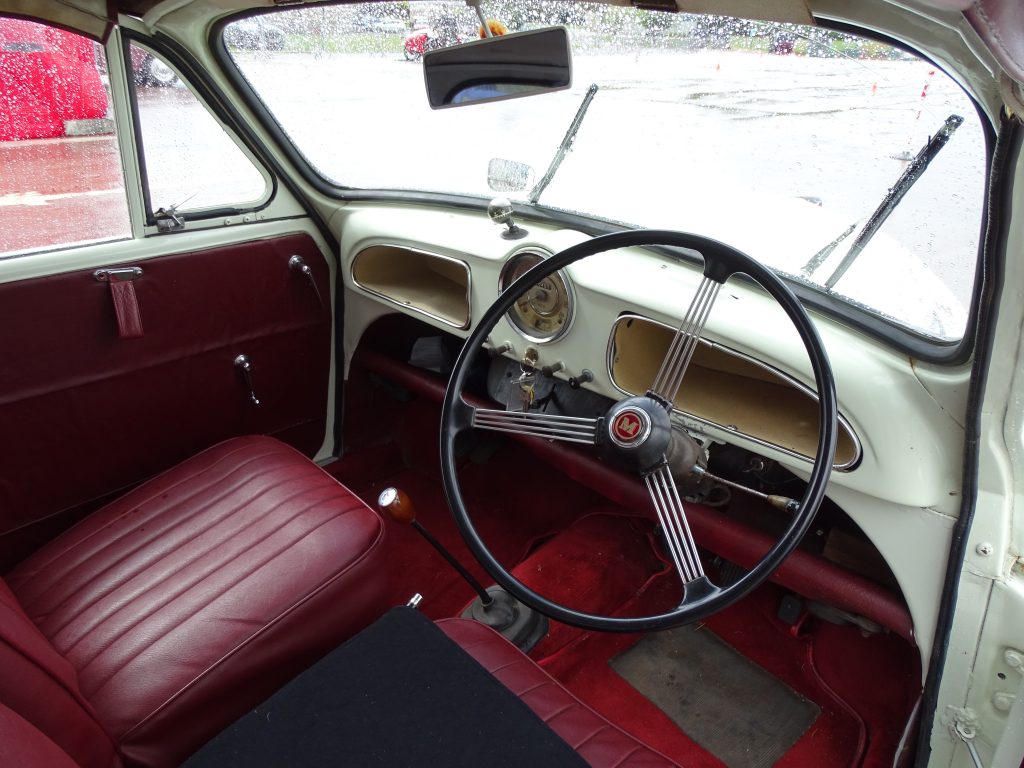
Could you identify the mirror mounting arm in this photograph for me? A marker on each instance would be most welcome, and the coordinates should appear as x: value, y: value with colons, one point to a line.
x: 475, y: 5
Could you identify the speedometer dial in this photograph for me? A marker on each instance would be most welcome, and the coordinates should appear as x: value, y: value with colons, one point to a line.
x: 543, y: 313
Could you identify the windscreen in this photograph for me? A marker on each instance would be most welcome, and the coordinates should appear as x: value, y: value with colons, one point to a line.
x: 801, y: 146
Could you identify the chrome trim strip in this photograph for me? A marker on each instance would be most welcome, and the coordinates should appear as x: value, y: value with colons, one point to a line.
x: 465, y: 265
x: 786, y: 378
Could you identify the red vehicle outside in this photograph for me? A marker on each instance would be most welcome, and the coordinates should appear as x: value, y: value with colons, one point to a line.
x: 64, y: 83
x: 423, y: 39
x: 416, y: 43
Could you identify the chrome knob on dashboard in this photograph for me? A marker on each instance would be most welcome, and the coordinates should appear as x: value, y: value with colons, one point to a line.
x: 500, y: 211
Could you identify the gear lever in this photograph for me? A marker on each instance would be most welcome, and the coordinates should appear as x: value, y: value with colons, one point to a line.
x: 398, y: 506
x: 494, y: 606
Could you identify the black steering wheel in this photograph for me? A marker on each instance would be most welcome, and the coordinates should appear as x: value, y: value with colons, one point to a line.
x: 636, y: 432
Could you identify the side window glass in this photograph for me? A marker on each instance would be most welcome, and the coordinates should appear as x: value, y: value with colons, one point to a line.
x: 191, y: 162
x: 62, y: 181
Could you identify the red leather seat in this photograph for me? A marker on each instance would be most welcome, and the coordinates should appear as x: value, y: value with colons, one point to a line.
x: 161, y: 618
x: 24, y: 745
x: 156, y: 622
x: 598, y: 742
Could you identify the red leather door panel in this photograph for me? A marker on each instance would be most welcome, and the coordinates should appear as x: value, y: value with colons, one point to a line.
x: 84, y: 412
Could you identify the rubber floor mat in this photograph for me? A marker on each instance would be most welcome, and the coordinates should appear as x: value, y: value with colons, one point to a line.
x: 734, y: 709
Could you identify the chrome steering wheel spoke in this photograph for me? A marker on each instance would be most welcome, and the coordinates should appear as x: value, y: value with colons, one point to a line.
x: 672, y: 516
x: 570, y: 429
x: 684, y: 343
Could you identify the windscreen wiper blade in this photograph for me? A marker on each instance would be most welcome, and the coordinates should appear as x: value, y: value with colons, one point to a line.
x: 907, y: 179
x: 565, y: 146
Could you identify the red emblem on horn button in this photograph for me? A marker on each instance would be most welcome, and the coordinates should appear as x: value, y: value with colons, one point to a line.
x: 627, y: 426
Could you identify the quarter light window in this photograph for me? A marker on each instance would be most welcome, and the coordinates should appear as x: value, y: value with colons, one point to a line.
x: 191, y: 161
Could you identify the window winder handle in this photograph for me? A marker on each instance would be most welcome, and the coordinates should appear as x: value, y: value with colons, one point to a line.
x: 244, y: 367
x: 299, y: 266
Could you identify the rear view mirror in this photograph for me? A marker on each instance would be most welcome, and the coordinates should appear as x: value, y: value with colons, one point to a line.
x: 496, y: 68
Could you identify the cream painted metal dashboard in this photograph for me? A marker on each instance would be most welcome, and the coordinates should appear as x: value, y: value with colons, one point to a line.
x: 899, y: 455
x: 897, y: 440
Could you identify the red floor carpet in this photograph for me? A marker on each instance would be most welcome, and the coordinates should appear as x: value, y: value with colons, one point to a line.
x: 567, y: 542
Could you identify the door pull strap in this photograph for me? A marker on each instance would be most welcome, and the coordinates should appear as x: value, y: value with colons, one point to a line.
x: 126, y: 305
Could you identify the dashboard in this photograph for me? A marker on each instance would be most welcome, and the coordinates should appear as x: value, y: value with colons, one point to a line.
x: 607, y: 321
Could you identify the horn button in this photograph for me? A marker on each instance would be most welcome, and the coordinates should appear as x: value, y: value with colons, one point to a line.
x: 636, y: 433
